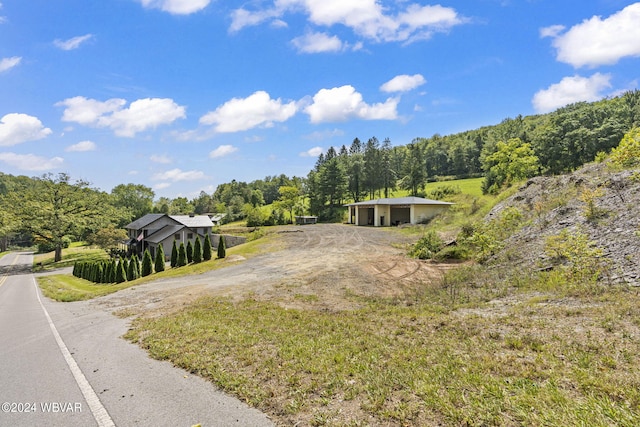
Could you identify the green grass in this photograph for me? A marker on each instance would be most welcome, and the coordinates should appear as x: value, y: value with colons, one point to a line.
x: 419, y: 365
x: 76, y: 252
x: 67, y: 288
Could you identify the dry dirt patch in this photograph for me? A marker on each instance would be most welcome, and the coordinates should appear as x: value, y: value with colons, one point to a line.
x: 314, y: 265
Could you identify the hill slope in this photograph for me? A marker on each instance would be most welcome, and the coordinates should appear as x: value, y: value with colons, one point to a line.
x: 594, y: 201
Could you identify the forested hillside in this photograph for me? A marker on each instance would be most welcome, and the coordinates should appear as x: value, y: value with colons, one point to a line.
x: 514, y: 149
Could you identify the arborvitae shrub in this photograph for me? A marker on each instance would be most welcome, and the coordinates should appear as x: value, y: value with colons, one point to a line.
x: 197, y: 251
x: 114, y: 271
x: 182, y: 256
x: 138, y: 265
x: 189, y: 252
x: 222, y: 250
x: 132, y: 271
x: 206, y: 250
x: 174, y: 255
x: 121, y: 274
x: 147, y: 263
x: 159, y: 264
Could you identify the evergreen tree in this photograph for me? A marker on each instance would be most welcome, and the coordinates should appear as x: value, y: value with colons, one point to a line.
x: 206, y: 250
x: 222, y: 250
x: 114, y: 271
x: 147, y: 263
x: 174, y: 255
x: 160, y: 259
x: 132, y: 271
x: 182, y: 256
x: 121, y: 274
x: 136, y: 261
x: 197, y: 251
x: 189, y: 252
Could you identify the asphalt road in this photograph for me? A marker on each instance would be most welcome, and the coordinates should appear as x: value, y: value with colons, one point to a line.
x: 64, y: 364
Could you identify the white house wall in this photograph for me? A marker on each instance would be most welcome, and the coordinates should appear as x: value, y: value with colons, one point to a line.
x: 421, y: 213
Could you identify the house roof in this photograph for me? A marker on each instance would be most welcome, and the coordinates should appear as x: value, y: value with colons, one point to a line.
x: 187, y: 220
x: 400, y: 201
x: 193, y: 221
x: 142, y: 222
x: 164, y: 233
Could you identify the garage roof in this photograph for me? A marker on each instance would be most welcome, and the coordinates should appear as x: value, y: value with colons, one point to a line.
x: 400, y: 201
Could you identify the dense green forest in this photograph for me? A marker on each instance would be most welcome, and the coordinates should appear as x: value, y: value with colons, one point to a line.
x: 51, y: 210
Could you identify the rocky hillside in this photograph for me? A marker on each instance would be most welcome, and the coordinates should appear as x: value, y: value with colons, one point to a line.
x: 595, y: 201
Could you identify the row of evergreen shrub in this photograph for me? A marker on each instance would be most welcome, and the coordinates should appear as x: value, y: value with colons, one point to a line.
x: 123, y: 269
x: 195, y: 253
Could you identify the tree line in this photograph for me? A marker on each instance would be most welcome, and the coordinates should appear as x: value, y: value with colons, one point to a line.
x: 53, y: 209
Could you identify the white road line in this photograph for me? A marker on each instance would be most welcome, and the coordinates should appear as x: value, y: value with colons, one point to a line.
x: 99, y: 412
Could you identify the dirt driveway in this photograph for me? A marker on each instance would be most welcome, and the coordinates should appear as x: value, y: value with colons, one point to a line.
x: 315, y: 266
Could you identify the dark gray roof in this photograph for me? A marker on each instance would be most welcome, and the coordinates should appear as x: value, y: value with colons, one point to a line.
x: 141, y: 223
x: 163, y: 233
x: 400, y: 201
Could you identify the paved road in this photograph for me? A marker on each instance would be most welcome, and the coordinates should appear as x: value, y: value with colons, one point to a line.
x: 64, y: 364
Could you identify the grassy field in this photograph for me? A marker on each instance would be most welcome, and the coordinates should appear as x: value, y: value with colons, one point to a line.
x: 432, y: 362
x: 76, y: 252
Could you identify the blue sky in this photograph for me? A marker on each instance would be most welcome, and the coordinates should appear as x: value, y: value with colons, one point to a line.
x: 182, y: 95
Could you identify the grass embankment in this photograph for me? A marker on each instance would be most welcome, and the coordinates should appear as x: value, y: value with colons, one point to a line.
x: 76, y: 252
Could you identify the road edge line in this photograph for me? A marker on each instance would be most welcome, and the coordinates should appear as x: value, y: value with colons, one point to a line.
x: 99, y: 412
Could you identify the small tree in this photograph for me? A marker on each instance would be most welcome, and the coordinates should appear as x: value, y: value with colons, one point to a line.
x: 147, y: 263
x: 189, y: 252
x: 132, y: 271
x: 222, y: 250
x: 174, y: 255
x: 197, y: 251
x: 159, y: 259
x: 206, y: 250
x: 113, y: 273
x: 182, y: 256
x: 121, y: 274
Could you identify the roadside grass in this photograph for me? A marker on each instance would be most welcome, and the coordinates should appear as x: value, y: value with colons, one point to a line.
x: 442, y: 360
x: 76, y: 252
x: 68, y: 288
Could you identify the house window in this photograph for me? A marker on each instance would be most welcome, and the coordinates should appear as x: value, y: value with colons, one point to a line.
x: 176, y: 236
x: 190, y: 236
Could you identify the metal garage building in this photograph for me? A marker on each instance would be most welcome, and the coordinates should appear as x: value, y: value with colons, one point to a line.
x: 394, y: 211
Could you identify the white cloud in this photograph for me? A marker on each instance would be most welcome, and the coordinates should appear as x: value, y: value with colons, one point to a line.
x: 344, y: 103
x: 367, y: 18
x: 317, y: 42
x: 72, y: 43
x: 176, y: 7
x: 312, y: 152
x: 82, y: 146
x: 570, y: 90
x: 241, y: 114
x: 162, y: 185
x: 322, y: 135
x: 175, y: 175
x: 9, y: 63
x: 223, y: 150
x: 598, y: 41
x: 141, y: 115
x: 31, y: 162
x: 403, y: 83
x: 17, y: 128
x: 163, y: 159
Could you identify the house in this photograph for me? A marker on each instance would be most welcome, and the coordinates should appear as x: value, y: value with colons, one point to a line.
x: 153, y: 230
x: 395, y: 211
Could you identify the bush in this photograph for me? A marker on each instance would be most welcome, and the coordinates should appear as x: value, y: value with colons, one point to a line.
x: 159, y: 264
x: 197, y: 251
x: 427, y: 246
x: 44, y: 247
x: 132, y: 271
x: 443, y: 191
x: 206, y: 250
x: 121, y: 274
x: 627, y: 154
x: 147, y: 263
x: 222, y: 250
x: 189, y: 252
x: 174, y: 255
x: 182, y: 256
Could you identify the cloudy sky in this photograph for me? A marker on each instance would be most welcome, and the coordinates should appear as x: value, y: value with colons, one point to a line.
x: 182, y: 95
